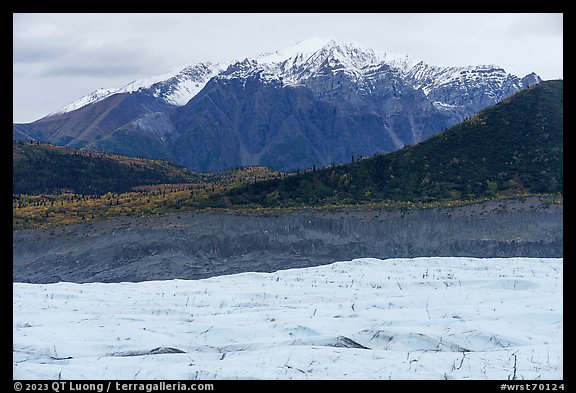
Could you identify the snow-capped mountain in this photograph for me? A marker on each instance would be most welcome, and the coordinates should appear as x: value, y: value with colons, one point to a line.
x: 307, y: 60
x: 91, y: 98
x: 317, y: 102
x: 297, y: 66
x: 174, y: 87
x: 180, y: 88
x: 314, y: 57
x: 465, y: 87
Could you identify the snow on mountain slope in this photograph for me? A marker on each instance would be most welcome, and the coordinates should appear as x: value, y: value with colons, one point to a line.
x: 467, y: 88
x: 301, y: 49
x: 310, y: 57
x: 311, y: 53
x: 176, y: 87
x: 315, y: 57
x: 495, y: 81
x: 422, y: 318
x: 95, y: 96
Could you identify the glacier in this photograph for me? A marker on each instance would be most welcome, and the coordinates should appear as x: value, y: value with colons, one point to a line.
x: 419, y: 318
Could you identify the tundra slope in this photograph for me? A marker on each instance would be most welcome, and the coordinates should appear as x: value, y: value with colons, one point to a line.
x: 201, y: 245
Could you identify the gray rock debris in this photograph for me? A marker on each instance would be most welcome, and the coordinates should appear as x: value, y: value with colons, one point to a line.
x: 201, y: 245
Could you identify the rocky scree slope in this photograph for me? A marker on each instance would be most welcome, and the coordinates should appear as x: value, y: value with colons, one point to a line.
x: 200, y: 245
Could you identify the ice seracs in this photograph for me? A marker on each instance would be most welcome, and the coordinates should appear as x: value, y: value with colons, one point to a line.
x: 420, y: 318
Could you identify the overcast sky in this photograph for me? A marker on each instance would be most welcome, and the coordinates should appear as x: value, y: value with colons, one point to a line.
x: 59, y: 58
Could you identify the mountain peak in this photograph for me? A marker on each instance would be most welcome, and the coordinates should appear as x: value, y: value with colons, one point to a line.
x: 175, y: 87
x: 320, y: 101
x: 184, y: 84
x: 303, y: 47
x: 95, y: 96
x: 320, y: 47
x: 351, y: 53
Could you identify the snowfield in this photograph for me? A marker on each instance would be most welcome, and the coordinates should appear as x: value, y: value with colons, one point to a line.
x: 421, y: 318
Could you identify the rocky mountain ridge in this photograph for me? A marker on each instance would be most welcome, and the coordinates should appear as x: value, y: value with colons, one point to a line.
x: 319, y: 102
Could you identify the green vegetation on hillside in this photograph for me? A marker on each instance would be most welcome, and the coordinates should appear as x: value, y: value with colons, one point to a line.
x: 40, y: 168
x: 58, y: 186
x: 43, y: 168
x: 512, y: 148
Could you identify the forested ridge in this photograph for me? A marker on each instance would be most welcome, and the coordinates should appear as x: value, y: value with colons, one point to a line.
x: 514, y: 148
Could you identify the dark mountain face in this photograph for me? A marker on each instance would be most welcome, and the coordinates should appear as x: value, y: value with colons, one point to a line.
x: 82, y: 127
x: 236, y: 123
x: 289, y: 112
x: 406, y: 114
x: 513, y: 147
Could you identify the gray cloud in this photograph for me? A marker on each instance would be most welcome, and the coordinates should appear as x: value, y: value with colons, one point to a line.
x: 537, y: 25
x: 95, y: 50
